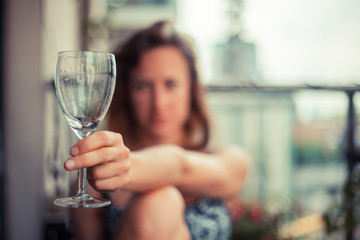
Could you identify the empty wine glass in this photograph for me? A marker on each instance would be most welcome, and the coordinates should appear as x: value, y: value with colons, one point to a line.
x: 84, y: 84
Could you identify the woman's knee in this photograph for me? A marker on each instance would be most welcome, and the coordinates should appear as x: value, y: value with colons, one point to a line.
x: 157, y: 211
x: 160, y: 200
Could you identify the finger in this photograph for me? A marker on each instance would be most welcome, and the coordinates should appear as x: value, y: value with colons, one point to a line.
x: 110, y: 184
x: 109, y: 170
x: 95, y: 141
x: 99, y: 156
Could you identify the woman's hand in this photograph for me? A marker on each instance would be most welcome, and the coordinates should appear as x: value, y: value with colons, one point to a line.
x: 105, y: 156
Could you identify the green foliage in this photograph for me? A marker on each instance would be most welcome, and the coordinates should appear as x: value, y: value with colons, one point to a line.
x: 252, y: 222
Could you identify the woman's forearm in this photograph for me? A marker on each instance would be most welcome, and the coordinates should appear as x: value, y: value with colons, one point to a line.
x: 154, y: 167
x: 219, y: 175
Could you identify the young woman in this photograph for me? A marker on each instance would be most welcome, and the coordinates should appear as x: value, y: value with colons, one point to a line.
x: 155, y: 165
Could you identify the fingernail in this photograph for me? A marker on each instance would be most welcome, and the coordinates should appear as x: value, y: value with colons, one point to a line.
x: 74, y: 151
x: 70, y: 164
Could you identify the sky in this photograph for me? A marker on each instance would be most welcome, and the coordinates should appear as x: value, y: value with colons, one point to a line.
x: 312, y: 41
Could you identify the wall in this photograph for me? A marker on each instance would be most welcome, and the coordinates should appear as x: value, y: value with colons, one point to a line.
x: 23, y: 120
x: 35, y: 30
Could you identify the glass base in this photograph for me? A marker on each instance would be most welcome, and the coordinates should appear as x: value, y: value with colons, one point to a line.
x: 85, y: 201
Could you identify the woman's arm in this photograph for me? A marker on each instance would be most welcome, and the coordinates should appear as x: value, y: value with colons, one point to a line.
x: 112, y: 167
x: 220, y: 174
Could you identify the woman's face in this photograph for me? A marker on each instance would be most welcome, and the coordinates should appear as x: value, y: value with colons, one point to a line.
x: 160, y: 91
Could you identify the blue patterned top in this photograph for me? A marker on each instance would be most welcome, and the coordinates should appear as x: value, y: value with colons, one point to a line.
x: 207, y: 219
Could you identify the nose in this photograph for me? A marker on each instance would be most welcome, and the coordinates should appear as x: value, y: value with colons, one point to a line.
x: 159, y: 99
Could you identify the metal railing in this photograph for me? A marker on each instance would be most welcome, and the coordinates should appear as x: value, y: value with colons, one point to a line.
x: 351, y: 152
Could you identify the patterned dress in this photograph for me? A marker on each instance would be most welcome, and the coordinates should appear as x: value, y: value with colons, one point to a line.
x: 207, y: 219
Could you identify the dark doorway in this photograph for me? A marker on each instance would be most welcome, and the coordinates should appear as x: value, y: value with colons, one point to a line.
x: 2, y: 160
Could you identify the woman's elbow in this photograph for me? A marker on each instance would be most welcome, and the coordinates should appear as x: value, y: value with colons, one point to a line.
x: 240, y: 169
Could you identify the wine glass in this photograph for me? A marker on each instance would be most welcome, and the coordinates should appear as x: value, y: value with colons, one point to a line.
x: 84, y: 84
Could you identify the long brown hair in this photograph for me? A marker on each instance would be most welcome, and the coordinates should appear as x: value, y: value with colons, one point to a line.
x: 121, y: 116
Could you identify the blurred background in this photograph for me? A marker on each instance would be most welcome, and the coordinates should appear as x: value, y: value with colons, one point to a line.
x: 281, y: 78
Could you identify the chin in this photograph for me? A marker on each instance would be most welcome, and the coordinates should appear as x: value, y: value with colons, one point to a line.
x: 163, y: 138
x: 160, y: 137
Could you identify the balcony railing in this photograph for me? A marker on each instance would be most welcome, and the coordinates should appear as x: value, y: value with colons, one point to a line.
x: 350, y: 151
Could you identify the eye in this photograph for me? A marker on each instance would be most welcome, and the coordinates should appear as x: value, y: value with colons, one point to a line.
x: 142, y: 85
x: 171, y: 84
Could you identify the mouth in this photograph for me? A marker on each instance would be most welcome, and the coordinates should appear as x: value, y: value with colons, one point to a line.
x: 158, y: 120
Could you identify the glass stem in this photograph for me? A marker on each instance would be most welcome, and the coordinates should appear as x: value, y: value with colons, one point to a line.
x: 82, y: 183
x: 82, y: 192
